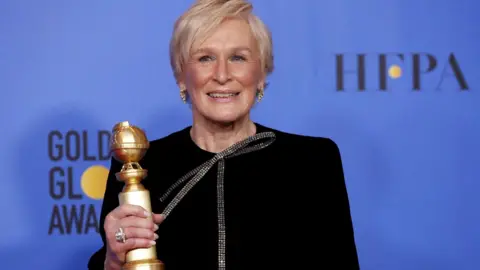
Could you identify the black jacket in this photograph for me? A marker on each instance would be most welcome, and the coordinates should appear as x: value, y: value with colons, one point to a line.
x: 285, y: 205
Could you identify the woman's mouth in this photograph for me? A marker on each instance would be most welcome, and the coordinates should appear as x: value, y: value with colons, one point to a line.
x: 223, y: 96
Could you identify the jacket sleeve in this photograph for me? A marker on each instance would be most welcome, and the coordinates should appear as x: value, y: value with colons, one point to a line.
x: 110, y: 202
x: 343, y: 249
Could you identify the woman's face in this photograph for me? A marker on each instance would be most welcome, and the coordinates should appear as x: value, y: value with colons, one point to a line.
x: 223, y: 74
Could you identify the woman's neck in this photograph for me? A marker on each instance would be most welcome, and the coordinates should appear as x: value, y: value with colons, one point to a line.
x: 216, y: 137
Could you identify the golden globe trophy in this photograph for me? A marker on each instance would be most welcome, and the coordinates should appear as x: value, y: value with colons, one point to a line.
x: 128, y: 145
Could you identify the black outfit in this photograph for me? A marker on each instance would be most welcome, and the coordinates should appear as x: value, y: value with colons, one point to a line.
x: 283, y: 205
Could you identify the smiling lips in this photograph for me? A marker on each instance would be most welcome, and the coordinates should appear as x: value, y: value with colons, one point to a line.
x: 223, y: 96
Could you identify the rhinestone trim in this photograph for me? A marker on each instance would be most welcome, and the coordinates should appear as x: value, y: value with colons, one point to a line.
x: 197, y: 174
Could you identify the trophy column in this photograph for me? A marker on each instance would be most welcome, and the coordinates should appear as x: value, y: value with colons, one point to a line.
x: 129, y: 145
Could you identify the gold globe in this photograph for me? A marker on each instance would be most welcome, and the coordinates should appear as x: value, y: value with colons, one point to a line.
x: 128, y: 143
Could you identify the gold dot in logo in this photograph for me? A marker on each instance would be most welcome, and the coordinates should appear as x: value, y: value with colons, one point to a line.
x: 94, y: 181
x: 395, y: 72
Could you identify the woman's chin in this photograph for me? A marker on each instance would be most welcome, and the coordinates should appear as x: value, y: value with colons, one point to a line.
x: 226, y: 118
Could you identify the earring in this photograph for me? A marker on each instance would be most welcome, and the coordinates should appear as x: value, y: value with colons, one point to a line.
x: 183, y: 95
x: 259, y: 94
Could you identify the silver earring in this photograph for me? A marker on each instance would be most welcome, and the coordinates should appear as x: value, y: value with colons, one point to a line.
x: 260, y: 94
x: 183, y: 95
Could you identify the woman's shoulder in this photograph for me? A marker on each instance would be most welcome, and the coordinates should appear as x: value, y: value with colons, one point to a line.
x: 301, y: 141
x: 168, y: 145
x: 175, y: 138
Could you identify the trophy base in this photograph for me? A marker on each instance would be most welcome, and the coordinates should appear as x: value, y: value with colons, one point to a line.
x: 144, y: 265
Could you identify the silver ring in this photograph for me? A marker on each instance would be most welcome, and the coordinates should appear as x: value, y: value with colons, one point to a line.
x: 120, y: 235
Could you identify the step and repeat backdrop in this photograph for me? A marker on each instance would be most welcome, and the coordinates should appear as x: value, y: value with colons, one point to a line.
x: 395, y: 83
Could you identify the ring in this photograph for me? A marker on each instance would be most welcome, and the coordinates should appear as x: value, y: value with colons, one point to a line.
x: 120, y: 235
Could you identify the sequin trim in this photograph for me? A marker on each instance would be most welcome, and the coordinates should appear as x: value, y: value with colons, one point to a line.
x: 197, y: 174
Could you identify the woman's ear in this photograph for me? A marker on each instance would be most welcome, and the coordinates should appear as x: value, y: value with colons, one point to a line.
x: 182, y: 86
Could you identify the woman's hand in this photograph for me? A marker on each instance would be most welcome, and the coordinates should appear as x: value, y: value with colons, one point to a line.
x: 139, y: 230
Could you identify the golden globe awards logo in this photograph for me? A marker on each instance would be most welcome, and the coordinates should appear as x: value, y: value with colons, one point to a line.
x: 377, y: 71
x: 73, y: 211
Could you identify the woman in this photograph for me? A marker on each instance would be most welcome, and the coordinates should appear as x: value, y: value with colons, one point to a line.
x: 264, y: 199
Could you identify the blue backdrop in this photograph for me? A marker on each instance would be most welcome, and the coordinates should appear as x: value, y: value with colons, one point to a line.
x: 394, y: 83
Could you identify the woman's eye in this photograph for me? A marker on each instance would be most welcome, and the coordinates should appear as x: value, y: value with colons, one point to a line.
x: 238, y: 58
x: 205, y: 58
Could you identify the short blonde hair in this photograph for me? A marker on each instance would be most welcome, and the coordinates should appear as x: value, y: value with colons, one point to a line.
x: 203, y: 17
